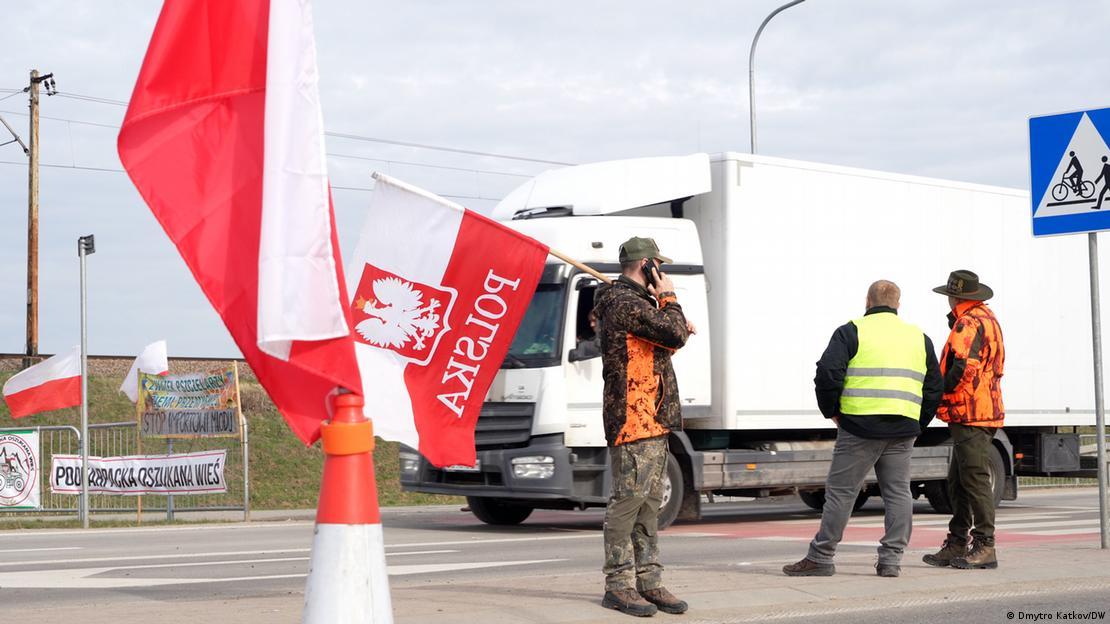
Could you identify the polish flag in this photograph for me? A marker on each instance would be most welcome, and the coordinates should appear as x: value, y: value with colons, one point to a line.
x: 52, y: 384
x: 224, y: 140
x: 152, y: 360
x: 440, y: 292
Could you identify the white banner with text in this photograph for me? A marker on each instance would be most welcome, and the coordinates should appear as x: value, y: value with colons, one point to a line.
x: 182, y: 473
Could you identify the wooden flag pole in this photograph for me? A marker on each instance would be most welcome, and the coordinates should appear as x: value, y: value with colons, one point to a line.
x: 578, y: 265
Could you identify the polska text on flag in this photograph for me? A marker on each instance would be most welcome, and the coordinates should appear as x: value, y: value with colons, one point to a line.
x: 439, y: 293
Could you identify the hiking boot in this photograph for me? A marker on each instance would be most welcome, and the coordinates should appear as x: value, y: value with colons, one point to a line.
x: 888, y: 570
x: 951, y: 550
x: 805, y: 567
x: 665, y: 600
x: 628, y: 601
x: 981, y: 557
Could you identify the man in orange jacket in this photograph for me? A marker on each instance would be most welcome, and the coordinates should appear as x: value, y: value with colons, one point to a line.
x: 971, y: 363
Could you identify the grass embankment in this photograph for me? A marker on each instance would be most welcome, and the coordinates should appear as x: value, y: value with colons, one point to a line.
x: 284, y: 473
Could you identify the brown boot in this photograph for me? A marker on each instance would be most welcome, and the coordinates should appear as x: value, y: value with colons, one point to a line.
x: 981, y: 557
x: 953, y: 549
x: 805, y: 567
x: 628, y: 601
x: 665, y: 600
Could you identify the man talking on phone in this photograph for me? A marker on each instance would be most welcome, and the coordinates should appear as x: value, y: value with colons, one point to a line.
x: 641, y: 326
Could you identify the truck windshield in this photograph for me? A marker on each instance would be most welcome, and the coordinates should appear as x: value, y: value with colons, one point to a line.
x: 537, y: 340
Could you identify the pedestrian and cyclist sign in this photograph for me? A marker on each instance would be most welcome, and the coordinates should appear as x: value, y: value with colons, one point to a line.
x: 1069, y: 172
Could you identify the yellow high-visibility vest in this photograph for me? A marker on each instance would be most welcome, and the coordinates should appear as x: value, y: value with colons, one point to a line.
x: 888, y: 371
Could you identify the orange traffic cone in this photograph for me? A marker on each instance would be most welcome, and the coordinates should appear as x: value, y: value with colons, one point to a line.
x: 347, y: 578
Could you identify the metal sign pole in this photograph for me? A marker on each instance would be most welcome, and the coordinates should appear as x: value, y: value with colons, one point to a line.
x: 85, y: 246
x: 1100, y: 416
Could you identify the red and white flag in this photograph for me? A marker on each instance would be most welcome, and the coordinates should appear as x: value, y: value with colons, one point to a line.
x: 54, y: 383
x: 440, y: 292
x: 224, y: 140
x: 153, y: 361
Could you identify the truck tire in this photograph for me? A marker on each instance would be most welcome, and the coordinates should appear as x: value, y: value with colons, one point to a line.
x: 498, y: 511
x: 673, y: 491
x: 816, y: 499
x: 937, y: 491
x: 998, y: 474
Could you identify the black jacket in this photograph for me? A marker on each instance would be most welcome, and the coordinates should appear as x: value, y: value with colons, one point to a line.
x: 829, y: 383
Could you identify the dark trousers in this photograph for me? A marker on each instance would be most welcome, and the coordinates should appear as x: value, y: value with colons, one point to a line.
x: 969, y: 484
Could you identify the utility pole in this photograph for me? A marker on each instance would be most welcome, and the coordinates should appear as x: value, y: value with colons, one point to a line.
x: 33, y: 211
x: 33, y: 221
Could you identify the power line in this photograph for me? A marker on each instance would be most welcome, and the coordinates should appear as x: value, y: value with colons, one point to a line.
x: 360, y: 137
x: 114, y: 170
x: 409, y: 163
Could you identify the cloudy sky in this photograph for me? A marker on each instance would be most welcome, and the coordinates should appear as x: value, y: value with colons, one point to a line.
x: 930, y: 87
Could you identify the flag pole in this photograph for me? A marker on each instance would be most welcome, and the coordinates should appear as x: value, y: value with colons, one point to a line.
x: 578, y: 265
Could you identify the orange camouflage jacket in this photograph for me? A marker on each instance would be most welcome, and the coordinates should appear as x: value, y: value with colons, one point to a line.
x: 971, y: 364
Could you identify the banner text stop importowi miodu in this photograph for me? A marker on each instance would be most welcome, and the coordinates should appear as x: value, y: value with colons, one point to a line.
x: 189, y: 406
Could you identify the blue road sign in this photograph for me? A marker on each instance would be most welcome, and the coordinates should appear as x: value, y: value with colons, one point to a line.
x: 1069, y: 172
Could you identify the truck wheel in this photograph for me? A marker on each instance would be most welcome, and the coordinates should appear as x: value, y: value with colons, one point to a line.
x: 673, y: 491
x: 998, y: 474
x: 497, y: 510
x: 816, y: 500
x: 936, y: 492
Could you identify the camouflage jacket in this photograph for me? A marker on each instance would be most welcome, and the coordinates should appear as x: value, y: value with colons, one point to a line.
x: 638, y: 336
x: 971, y: 363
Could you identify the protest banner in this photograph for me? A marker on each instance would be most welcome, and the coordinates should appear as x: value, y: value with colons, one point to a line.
x: 182, y: 473
x: 19, y: 470
x: 193, y: 405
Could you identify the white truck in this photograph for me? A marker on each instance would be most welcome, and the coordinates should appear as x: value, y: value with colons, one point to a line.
x: 770, y: 256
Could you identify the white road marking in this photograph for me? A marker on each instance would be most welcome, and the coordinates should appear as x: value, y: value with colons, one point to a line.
x: 89, y: 578
x: 8, y: 564
x: 1046, y: 524
x: 23, y: 550
x: 932, y: 520
x: 1089, y: 531
x: 267, y: 524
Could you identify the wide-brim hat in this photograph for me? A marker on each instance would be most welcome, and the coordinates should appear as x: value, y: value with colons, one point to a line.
x: 964, y: 284
x: 637, y: 248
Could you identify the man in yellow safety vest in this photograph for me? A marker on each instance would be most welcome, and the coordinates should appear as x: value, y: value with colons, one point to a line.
x: 880, y: 382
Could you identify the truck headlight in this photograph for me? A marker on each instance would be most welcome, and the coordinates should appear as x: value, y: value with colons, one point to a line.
x: 534, y: 467
x: 410, y: 462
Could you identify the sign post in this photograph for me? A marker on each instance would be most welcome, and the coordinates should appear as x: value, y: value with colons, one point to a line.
x: 1067, y: 200
x: 85, y: 245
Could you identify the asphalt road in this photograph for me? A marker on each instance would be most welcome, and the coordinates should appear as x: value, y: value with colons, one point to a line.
x: 446, y: 566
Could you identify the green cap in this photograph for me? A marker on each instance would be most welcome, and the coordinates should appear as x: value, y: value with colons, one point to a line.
x: 637, y: 248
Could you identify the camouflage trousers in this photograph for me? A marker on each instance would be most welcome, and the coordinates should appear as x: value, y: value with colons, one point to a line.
x: 631, y: 518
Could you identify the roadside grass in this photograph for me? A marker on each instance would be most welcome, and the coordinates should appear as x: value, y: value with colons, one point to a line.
x: 284, y: 473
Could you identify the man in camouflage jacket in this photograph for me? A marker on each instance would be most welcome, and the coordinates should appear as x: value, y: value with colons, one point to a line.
x: 641, y: 325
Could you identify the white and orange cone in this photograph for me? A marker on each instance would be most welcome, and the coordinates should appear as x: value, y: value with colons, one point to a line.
x: 347, y: 578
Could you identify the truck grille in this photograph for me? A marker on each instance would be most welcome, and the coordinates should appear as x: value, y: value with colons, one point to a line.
x: 504, y: 425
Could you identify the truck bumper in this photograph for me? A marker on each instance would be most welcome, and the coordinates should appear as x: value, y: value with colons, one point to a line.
x: 571, y: 483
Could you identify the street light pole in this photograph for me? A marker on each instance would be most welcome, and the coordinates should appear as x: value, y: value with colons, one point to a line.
x: 751, y: 64
x: 85, y: 246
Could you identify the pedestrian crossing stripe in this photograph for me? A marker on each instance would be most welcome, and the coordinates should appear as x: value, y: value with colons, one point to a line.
x: 1069, y: 161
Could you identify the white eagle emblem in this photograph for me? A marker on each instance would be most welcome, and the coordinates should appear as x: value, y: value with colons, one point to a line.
x: 398, y: 315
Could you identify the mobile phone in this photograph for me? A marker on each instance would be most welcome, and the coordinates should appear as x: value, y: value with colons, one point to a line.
x: 649, y: 277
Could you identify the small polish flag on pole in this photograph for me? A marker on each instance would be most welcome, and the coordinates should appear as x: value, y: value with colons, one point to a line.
x: 52, y: 384
x: 153, y: 361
